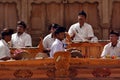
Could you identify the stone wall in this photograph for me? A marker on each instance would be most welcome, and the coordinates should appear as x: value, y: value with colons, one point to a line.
x: 103, y: 15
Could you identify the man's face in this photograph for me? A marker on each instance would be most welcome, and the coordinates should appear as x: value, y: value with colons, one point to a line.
x: 113, y: 37
x: 61, y: 35
x: 52, y: 30
x: 7, y: 38
x: 20, y: 29
x: 81, y: 19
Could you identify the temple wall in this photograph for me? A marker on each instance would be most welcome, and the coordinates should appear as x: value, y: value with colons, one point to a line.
x: 103, y: 15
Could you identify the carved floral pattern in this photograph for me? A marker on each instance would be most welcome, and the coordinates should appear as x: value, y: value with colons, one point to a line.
x: 23, y: 73
x: 101, y: 72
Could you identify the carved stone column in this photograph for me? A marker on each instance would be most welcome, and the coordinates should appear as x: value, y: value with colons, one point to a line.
x: 105, y: 18
x: 24, y: 10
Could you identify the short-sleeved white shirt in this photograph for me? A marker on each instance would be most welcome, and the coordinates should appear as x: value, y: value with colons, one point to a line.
x: 4, y: 49
x: 21, y: 41
x: 81, y: 32
x: 110, y: 50
x: 48, y: 41
x: 56, y: 46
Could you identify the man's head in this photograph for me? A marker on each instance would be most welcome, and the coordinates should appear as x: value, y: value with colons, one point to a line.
x: 114, y: 36
x: 82, y: 17
x: 21, y: 26
x: 60, y: 33
x: 6, y: 34
x: 53, y: 27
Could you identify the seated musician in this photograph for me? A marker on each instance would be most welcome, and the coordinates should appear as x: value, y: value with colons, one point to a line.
x: 81, y: 30
x: 58, y: 44
x: 4, y: 48
x: 113, y: 48
x: 21, y: 38
x: 50, y: 38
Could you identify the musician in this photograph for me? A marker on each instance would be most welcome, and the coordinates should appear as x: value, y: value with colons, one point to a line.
x: 112, y: 48
x: 21, y: 38
x: 81, y: 30
x: 4, y: 47
x: 50, y: 38
x: 58, y: 44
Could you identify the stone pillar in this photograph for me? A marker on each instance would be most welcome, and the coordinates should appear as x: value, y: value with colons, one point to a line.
x: 24, y: 10
x: 105, y: 18
x: 105, y: 31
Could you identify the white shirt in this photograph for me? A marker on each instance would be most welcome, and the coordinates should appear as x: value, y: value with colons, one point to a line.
x: 4, y: 49
x: 48, y: 41
x: 56, y: 46
x: 81, y: 32
x: 21, y: 41
x: 110, y: 50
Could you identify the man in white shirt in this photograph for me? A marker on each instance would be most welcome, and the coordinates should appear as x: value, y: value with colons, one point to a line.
x: 50, y: 38
x: 81, y: 31
x: 58, y: 44
x: 4, y: 47
x: 112, y: 48
x: 21, y: 38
